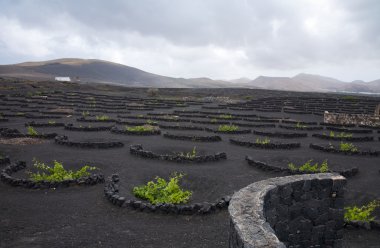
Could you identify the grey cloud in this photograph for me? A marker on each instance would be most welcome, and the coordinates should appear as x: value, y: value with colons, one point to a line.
x: 273, y: 35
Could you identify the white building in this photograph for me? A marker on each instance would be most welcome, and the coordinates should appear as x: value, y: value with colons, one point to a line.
x: 63, y: 79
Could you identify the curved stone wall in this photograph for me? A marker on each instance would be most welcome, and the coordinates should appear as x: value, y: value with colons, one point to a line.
x: 300, y: 211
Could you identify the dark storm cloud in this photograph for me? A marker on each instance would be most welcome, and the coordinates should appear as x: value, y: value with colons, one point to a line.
x: 200, y: 38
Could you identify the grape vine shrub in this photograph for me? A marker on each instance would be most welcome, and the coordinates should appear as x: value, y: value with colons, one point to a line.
x: 57, y: 173
x: 228, y: 128
x: 163, y: 191
x: 307, y: 167
x: 32, y: 131
x: 363, y: 213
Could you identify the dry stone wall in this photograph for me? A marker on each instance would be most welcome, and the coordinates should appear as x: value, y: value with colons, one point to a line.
x: 356, y: 119
x: 293, y: 211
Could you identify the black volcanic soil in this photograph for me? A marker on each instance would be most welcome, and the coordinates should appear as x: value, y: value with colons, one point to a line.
x: 82, y: 217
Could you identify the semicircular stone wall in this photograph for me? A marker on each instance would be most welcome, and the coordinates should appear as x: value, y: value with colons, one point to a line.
x: 293, y: 211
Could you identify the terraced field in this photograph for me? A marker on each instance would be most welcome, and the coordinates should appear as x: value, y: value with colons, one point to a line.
x: 234, y: 143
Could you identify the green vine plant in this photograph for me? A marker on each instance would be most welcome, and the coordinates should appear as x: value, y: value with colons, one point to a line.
x: 85, y: 114
x: 191, y: 155
x: 228, y: 128
x: 32, y: 131
x: 339, y: 135
x: 307, y: 167
x: 348, y: 147
x: 144, y: 128
x: 300, y: 126
x: 163, y: 191
x: 57, y: 173
x: 102, y: 117
x: 363, y: 213
x: 264, y: 141
x: 225, y: 117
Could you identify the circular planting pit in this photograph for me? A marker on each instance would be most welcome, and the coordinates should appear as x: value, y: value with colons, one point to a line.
x: 334, y: 150
x: 180, y: 127
x: 142, y: 133
x: 266, y: 167
x: 213, y: 138
x: 254, y: 125
x: 265, y: 146
x: 6, y: 177
x: 346, y: 130
x: 71, y: 127
x: 14, y: 133
x: 139, y: 151
x: 300, y: 128
x: 95, y: 120
x: 243, y: 131
x: 281, y: 134
x: 327, y: 137
x: 111, y: 192
x: 63, y: 140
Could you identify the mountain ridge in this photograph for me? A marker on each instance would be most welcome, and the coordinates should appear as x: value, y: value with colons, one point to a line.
x: 102, y: 71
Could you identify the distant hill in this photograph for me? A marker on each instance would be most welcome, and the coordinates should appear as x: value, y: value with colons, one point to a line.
x: 314, y: 83
x: 100, y: 71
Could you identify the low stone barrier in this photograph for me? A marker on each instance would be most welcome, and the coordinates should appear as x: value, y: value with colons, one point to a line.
x: 46, y: 124
x: 111, y: 192
x: 346, y: 130
x: 213, y: 138
x: 265, y: 125
x: 96, y: 120
x: 143, y: 133
x: 14, y: 133
x: 6, y: 177
x: 280, y: 134
x: 292, y: 211
x: 71, y: 127
x: 266, y: 167
x: 300, y: 128
x: 334, y: 150
x: 241, y: 131
x: 63, y: 140
x: 180, y: 127
x: 265, y: 146
x: 327, y: 137
x: 139, y: 151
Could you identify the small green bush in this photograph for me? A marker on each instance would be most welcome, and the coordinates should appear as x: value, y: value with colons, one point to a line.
x: 347, y: 147
x: 214, y: 120
x: 340, y: 135
x: 228, y: 128
x: 363, y: 213
x: 144, y: 128
x: 102, y: 117
x: 85, y: 114
x: 264, y: 141
x: 300, y: 126
x: 192, y: 154
x: 32, y: 131
x: 58, y: 173
x: 163, y: 191
x: 307, y: 167
x: 225, y: 117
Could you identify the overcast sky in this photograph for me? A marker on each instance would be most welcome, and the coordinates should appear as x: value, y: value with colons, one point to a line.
x: 220, y: 39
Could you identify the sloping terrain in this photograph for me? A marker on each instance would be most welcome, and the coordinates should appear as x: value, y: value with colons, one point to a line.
x: 100, y: 71
x: 314, y: 83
